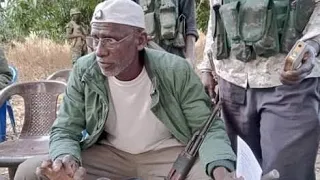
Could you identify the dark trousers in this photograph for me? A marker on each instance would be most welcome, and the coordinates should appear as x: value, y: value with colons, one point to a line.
x: 280, y: 124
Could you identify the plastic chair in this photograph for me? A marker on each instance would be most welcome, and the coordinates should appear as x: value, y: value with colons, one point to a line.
x: 40, y: 99
x: 6, y: 107
x: 62, y: 74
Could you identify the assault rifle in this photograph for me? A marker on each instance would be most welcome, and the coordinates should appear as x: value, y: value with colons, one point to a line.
x: 181, y: 167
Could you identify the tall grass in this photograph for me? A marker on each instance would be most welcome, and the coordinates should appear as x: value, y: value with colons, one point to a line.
x: 37, y: 58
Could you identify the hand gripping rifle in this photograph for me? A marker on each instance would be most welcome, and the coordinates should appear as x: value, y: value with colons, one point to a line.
x: 181, y: 167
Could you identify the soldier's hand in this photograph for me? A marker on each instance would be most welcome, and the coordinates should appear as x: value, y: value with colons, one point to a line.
x: 296, y: 76
x: 65, y: 168
x: 209, y: 84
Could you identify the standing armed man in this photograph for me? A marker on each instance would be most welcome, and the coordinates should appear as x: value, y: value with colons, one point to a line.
x: 275, y: 111
x: 76, y: 34
x: 172, y: 25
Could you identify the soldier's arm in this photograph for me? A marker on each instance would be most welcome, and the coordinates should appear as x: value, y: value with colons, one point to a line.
x: 69, y: 32
x: 205, y: 65
x: 187, y: 8
x: 311, y: 33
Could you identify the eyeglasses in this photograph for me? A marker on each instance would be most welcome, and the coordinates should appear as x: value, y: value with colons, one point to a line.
x: 109, y: 43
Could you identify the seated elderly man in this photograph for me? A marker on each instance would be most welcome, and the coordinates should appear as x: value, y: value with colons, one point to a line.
x: 5, y: 73
x: 139, y: 106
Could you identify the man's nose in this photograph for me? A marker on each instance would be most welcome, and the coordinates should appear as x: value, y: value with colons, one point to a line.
x: 101, y: 51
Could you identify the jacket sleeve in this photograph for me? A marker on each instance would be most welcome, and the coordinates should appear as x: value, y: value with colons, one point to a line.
x: 66, y: 131
x: 5, y: 73
x: 196, y: 106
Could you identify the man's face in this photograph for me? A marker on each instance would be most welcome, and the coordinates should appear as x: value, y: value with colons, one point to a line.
x: 76, y: 17
x: 115, y: 46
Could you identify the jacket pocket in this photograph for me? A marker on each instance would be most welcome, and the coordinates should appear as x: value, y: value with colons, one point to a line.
x: 231, y: 93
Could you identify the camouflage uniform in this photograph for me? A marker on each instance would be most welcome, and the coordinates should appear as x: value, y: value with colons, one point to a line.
x: 279, y: 122
x: 170, y: 22
x: 78, y: 44
x: 262, y: 72
x: 5, y: 73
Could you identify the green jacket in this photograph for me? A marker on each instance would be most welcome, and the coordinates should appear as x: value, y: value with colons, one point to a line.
x: 5, y: 73
x: 178, y: 100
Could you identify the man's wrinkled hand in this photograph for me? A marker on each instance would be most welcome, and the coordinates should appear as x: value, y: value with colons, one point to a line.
x: 65, y: 168
x: 209, y: 84
x: 296, y: 76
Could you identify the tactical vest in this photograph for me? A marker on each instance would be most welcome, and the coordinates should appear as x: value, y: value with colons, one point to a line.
x: 249, y: 28
x: 163, y: 22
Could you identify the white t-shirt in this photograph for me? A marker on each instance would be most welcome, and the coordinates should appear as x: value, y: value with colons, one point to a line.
x: 134, y: 128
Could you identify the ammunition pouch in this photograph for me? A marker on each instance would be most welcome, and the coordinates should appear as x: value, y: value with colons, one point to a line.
x: 258, y: 27
x: 150, y: 23
x: 168, y: 18
x: 298, y: 17
x: 163, y: 23
x: 219, y: 33
x: 179, y: 40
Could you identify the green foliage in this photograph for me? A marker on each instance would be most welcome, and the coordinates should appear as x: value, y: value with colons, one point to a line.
x: 203, y: 13
x: 41, y: 17
x: 48, y: 18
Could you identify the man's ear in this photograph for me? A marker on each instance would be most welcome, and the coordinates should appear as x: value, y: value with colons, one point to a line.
x: 142, y: 40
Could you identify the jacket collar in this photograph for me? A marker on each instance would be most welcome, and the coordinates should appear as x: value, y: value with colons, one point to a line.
x: 96, y: 80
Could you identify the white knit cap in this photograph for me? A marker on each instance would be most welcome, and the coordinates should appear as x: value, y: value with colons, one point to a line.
x: 124, y: 12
